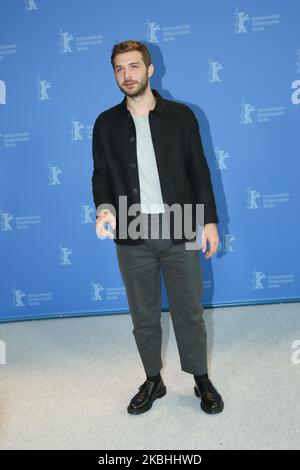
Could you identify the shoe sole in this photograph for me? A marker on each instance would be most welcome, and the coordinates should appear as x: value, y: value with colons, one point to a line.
x: 160, y: 394
x: 205, y: 408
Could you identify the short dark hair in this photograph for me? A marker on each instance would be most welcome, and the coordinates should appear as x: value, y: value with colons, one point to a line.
x: 131, y: 45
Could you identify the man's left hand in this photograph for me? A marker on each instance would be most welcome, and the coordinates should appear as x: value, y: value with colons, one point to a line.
x: 210, y: 235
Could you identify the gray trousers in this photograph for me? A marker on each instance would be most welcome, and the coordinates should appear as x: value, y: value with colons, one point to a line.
x: 140, y: 267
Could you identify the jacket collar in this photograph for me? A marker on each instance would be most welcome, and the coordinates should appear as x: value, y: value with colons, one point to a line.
x: 159, y: 107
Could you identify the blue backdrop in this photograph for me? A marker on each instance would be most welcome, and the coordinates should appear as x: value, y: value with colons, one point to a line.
x: 236, y: 64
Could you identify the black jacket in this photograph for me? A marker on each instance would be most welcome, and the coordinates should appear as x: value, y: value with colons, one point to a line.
x: 182, y: 167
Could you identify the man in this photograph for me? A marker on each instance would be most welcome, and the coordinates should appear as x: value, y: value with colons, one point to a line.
x: 148, y: 150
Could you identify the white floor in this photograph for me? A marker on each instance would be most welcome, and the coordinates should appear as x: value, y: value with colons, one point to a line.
x: 66, y: 384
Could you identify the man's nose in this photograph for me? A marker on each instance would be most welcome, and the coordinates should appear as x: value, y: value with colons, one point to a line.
x: 127, y: 75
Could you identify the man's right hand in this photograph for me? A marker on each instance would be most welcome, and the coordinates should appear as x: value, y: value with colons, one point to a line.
x: 104, y: 217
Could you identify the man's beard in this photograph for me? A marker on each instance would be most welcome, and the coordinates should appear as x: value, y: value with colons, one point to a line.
x: 139, y: 90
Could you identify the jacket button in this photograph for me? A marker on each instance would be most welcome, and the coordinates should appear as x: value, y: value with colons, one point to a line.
x: 135, y: 190
x: 133, y: 165
x: 132, y: 139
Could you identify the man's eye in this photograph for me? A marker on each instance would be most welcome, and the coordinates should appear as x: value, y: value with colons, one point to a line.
x: 133, y: 66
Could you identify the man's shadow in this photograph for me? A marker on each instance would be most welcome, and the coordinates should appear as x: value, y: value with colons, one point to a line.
x: 222, y: 210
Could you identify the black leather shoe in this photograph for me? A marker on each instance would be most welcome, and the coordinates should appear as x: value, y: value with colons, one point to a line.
x: 148, y: 392
x: 211, y: 400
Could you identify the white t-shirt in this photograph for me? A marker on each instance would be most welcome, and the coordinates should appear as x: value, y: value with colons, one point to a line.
x: 150, y: 190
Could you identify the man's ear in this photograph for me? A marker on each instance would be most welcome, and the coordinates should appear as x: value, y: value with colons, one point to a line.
x: 150, y: 70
